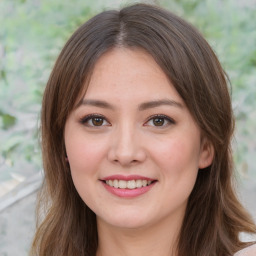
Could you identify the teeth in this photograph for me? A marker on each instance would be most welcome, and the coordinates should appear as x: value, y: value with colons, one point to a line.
x: 138, y: 183
x: 130, y: 184
x: 122, y: 184
x: 115, y: 183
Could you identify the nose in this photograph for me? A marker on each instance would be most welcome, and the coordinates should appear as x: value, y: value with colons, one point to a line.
x: 126, y: 146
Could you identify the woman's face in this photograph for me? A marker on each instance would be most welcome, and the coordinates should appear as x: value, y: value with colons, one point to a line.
x: 133, y: 147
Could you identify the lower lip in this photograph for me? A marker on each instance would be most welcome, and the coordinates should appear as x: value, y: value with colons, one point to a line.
x: 128, y: 193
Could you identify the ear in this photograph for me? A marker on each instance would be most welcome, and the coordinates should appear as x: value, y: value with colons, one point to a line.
x: 206, y: 153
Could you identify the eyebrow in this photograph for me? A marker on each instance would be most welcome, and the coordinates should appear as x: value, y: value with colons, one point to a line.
x: 142, y: 106
x: 158, y: 103
x: 95, y: 103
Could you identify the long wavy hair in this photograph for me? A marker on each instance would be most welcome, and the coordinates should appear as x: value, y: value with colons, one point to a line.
x: 214, y: 217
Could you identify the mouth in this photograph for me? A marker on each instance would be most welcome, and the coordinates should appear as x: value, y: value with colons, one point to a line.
x: 128, y: 184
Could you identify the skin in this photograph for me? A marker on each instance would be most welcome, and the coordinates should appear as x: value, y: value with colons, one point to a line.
x: 128, y: 142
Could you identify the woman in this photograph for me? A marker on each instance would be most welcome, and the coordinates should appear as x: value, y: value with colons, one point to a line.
x: 136, y: 130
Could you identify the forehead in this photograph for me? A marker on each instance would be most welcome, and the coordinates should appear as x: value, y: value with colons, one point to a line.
x: 123, y: 73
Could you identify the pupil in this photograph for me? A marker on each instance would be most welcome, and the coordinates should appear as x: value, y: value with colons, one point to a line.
x: 97, y: 121
x: 158, y: 121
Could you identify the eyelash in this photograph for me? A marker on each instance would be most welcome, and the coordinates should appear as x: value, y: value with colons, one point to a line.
x: 166, y: 118
x: 88, y: 118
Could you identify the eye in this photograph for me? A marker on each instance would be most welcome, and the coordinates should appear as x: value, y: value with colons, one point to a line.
x: 94, y: 121
x: 159, y: 121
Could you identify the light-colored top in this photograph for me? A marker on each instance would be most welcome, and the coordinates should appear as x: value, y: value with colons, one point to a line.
x: 249, y: 251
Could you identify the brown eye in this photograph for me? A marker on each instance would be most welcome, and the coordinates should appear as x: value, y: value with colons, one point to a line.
x: 97, y: 121
x: 94, y: 121
x: 158, y: 121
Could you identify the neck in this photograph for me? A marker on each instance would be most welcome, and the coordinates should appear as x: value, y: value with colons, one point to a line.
x: 156, y: 240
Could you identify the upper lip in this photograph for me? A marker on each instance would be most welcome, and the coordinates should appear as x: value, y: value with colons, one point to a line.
x: 129, y: 177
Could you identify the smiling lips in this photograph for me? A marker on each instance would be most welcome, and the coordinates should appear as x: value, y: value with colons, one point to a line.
x: 128, y: 186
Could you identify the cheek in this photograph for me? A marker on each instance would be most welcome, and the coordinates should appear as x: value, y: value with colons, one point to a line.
x: 83, y: 154
x: 180, y: 168
x: 84, y: 160
x: 177, y: 152
x: 178, y: 160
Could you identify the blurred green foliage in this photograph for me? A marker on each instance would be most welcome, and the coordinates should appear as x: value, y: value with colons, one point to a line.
x: 34, y: 31
x: 31, y: 36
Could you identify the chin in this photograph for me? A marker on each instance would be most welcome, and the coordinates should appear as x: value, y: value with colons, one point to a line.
x: 126, y: 221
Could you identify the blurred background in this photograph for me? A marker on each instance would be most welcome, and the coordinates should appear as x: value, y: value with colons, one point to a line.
x: 32, y: 33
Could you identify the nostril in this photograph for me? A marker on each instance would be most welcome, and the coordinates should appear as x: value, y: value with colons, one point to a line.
x: 126, y: 155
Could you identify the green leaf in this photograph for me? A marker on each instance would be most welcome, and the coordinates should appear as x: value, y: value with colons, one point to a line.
x: 3, y: 75
x: 8, y: 121
x: 11, y: 143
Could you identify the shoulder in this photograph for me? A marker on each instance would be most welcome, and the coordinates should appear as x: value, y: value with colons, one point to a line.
x: 249, y: 251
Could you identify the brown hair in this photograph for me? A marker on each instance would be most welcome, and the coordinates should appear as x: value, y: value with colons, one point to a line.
x: 214, y: 217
